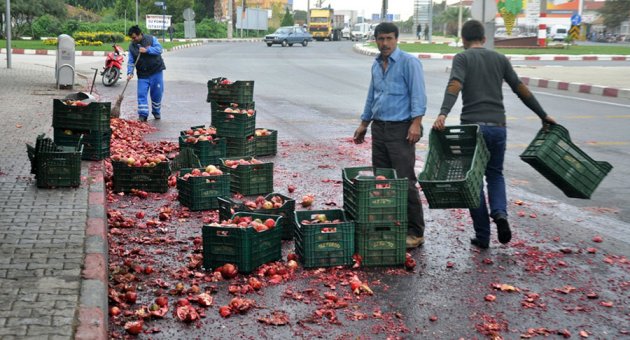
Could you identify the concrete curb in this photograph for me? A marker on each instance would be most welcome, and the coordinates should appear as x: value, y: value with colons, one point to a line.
x: 93, y: 312
x: 536, y: 82
x: 359, y: 48
x: 104, y: 53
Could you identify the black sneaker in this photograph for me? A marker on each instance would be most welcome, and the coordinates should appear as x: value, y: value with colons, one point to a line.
x: 480, y: 244
x: 503, y: 229
x: 142, y: 119
x: 157, y: 116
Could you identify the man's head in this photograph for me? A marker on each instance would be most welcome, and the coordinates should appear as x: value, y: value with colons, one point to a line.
x: 386, y: 35
x: 135, y: 33
x: 473, y: 32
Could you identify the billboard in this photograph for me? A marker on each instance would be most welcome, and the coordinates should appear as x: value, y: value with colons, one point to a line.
x: 561, y: 6
x: 154, y: 21
x: 252, y: 18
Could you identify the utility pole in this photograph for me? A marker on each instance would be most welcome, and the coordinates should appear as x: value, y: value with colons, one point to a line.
x: 242, y: 12
x: 137, y: 14
x: 7, y: 23
x: 308, y: 12
x: 459, y: 22
x: 230, y: 31
x: 384, y: 11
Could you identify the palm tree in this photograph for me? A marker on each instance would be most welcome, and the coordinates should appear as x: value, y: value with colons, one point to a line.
x: 450, y: 17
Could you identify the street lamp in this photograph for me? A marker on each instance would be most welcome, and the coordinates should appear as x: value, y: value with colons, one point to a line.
x: 163, y: 5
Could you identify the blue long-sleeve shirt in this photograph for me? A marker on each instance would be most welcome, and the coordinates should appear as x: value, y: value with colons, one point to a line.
x: 397, y: 94
x: 154, y: 49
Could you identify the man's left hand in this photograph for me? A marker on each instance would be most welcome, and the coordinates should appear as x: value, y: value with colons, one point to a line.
x: 414, y: 133
x: 143, y: 50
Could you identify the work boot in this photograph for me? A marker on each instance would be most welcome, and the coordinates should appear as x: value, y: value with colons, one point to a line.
x: 142, y: 119
x: 479, y: 243
x: 503, y: 229
x: 157, y: 116
x: 414, y: 241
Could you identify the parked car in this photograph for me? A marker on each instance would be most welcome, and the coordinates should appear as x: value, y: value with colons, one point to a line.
x: 289, y: 35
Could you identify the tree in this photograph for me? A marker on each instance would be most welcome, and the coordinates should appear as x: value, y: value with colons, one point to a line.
x: 615, y: 12
x: 287, y: 20
x: 450, y: 17
x: 204, y: 9
x: 23, y: 12
x: 299, y: 16
x: 128, y: 7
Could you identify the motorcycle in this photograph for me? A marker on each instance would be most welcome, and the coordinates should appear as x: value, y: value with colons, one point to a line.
x: 113, y: 65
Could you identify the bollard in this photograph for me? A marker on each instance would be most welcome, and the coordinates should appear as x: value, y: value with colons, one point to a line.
x: 542, y: 35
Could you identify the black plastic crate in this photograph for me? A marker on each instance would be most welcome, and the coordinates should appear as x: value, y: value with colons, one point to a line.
x: 151, y: 179
x: 244, y: 247
x: 252, y: 179
x: 95, y: 144
x: 201, y: 193
x: 93, y: 117
x: 240, y: 91
x: 241, y: 147
x: 369, y: 200
x: 553, y: 155
x: 228, y: 207
x: 266, y: 145
x: 208, y: 152
x: 455, y: 166
x: 233, y: 124
x: 57, y: 166
x: 381, y: 244
x: 324, y: 244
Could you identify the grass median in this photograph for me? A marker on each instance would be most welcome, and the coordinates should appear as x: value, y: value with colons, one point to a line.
x: 39, y: 45
x: 571, y: 50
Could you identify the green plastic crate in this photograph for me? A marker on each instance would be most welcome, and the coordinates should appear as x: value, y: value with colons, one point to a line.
x: 565, y: 165
x: 324, y: 244
x: 455, y: 166
x: 234, y: 125
x: 183, y: 132
x: 151, y: 179
x: 93, y: 117
x: 201, y: 193
x: 254, y: 179
x: 240, y: 91
x: 208, y: 152
x: 381, y: 244
x: 186, y: 158
x: 95, y: 143
x: 368, y: 200
x: 244, y: 247
x: 57, y: 166
x: 228, y: 207
x: 267, y: 145
x: 241, y: 147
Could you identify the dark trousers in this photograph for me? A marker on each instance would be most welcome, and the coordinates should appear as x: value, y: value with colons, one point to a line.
x: 391, y: 150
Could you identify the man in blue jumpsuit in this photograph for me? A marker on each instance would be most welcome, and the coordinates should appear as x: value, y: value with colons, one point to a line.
x: 145, y: 54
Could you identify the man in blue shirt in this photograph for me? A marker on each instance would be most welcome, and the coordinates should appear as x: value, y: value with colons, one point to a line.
x: 145, y: 54
x: 395, y: 105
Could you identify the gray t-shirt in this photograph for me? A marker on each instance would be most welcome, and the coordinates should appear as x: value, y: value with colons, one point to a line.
x: 481, y: 73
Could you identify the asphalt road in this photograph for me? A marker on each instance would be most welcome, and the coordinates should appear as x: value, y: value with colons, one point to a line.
x: 313, y: 96
x: 326, y: 84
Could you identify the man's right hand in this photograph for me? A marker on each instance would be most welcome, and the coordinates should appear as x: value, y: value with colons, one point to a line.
x: 359, y: 134
x: 439, y: 123
x: 549, y: 120
x: 129, y: 76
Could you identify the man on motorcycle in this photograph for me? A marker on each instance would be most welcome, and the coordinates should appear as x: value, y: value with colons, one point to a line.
x: 149, y: 66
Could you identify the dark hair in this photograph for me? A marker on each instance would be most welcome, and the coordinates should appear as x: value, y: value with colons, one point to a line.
x: 473, y: 30
x: 134, y: 30
x: 385, y: 27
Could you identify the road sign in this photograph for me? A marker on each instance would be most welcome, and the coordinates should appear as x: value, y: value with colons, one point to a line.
x: 484, y: 10
x: 158, y: 21
x: 574, y: 32
x: 576, y: 19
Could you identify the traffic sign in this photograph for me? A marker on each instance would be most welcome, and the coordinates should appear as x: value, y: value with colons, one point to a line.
x: 574, y: 32
x: 576, y: 19
x: 484, y: 10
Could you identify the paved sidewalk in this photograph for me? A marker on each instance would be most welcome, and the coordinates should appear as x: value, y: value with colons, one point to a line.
x: 47, y: 290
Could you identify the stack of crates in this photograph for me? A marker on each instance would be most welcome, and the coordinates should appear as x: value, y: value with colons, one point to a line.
x: 378, y: 205
x: 73, y: 119
x: 234, y: 115
x: 53, y: 165
x: 201, y: 192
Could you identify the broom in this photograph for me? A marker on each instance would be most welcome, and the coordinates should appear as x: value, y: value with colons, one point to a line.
x: 116, y: 108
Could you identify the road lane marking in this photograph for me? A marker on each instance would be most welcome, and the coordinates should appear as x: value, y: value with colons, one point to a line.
x: 578, y: 98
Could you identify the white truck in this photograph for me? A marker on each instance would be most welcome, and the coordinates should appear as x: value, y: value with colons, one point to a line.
x: 361, y: 31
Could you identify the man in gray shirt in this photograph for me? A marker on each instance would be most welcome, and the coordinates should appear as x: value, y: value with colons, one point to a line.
x: 479, y: 74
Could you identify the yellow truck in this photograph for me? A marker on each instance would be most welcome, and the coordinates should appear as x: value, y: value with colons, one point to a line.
x: 324, y: 24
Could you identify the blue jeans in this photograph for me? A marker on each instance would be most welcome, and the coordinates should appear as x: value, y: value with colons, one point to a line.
x: 155, y: 85
x: 495, y: 138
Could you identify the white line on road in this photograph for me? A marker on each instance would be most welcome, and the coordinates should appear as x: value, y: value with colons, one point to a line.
x: 578, y: 98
